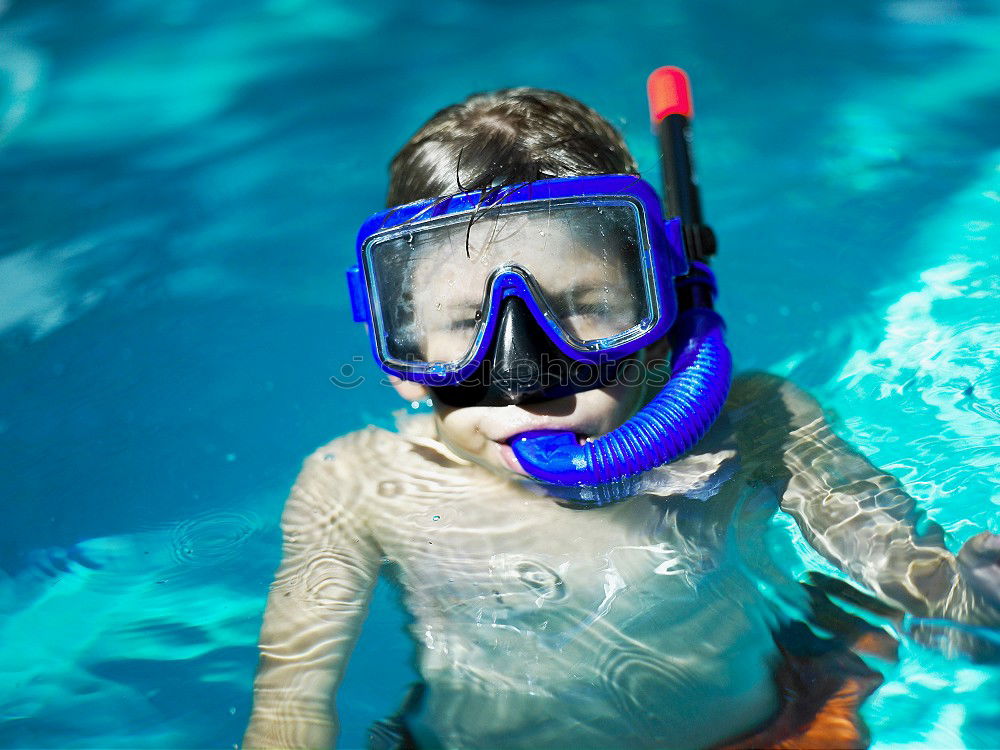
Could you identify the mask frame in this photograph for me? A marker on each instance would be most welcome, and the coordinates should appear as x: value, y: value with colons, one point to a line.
x: 661, y: 250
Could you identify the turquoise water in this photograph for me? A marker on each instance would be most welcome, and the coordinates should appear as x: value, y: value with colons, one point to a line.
x: 179, y: 188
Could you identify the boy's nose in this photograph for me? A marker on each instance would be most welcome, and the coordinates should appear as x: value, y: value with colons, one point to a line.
x: 522, y: 358
x: 523, y: 365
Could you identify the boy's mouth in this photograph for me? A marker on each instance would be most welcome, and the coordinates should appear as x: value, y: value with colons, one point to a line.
x: 510, y: 460
x: 581, y: 439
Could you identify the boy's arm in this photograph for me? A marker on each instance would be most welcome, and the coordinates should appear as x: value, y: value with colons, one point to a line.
x: 860, y: 519
x: 315, y: 608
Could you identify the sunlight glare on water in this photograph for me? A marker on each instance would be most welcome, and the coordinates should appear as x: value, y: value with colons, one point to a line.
x: 180, y: 185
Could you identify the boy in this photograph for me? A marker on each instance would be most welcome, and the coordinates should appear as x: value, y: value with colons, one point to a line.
x: 635, y: 624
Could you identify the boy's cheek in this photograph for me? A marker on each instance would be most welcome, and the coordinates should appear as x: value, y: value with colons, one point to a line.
x: 409, y: 390
x: 461, y: 427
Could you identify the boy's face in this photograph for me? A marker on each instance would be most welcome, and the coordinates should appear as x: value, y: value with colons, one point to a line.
x: 585, y: 273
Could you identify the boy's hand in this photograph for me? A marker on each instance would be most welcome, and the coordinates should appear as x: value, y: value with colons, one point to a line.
x: 979, y: 563
x: 974, y: 609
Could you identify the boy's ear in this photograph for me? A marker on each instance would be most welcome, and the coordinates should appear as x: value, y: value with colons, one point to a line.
x: 408, y: 390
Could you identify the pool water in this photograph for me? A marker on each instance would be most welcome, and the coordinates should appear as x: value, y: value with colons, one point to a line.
x: 179, y: 188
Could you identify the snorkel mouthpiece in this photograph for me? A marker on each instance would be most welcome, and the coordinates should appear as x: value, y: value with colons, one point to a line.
x: 602, y: 471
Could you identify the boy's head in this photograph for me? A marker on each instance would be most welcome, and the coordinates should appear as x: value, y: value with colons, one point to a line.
x: 503, y: 138
x: 492, y: 140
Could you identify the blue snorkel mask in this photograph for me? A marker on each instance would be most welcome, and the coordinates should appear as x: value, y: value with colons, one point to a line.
x: 539, y: 290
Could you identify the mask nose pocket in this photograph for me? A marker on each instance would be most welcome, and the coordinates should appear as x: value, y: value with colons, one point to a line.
x: 523, y: 365
x: 522, y: 356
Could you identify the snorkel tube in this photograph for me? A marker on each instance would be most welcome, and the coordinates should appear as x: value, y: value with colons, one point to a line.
x: 602, y: 471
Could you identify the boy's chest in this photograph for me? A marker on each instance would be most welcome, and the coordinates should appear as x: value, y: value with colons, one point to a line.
x: 503, y: 557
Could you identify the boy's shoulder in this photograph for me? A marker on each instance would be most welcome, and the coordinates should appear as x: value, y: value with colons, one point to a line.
x: 372, y: 452
x: 769, y: 415
x: 772, y: 398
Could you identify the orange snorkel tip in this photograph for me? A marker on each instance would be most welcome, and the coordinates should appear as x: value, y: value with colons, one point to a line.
x: 669, y: 93
x: 670, y: 109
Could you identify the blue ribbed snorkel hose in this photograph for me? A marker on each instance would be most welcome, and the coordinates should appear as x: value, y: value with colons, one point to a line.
x: 603, y: 471
x: 669, y: 425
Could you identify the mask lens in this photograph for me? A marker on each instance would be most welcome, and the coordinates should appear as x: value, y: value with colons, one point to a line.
x: 597, y: 289
x: 429, y: 293
x: 583, y: 260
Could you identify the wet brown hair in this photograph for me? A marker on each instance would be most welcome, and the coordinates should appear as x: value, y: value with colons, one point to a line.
x: 505, y: 137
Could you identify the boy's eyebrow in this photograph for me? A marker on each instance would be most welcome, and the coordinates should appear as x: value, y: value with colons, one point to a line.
x: 473, y: 303
x: 467, y: 305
